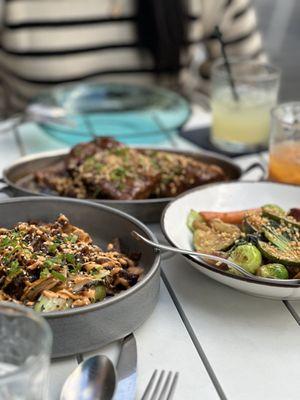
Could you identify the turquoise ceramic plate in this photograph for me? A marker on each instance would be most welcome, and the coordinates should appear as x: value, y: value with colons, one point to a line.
x: 131, y: 114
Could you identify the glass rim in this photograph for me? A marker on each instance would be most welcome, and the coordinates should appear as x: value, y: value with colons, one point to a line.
x: 273, y: 73
x: 276, y: 108
x: 39, y: 320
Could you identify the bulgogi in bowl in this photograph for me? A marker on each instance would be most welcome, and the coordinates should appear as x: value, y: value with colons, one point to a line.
x: 56, y: 266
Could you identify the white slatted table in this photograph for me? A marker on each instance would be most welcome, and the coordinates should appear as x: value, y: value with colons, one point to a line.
x: 225, y: 344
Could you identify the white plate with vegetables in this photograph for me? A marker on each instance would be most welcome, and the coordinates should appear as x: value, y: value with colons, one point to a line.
x: 254, y: 224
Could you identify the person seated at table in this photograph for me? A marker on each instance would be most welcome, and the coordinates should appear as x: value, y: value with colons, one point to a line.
x: 50, y: 42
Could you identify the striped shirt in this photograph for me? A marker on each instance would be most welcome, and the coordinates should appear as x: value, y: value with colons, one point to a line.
x: 51, y: 42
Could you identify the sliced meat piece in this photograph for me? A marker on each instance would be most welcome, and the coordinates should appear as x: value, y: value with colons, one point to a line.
x: 119, y: 173
x: 82, y: 151
x: 107, y: 169
x: 179, y: 173
x: 46, y: 177
x: 58, y: 180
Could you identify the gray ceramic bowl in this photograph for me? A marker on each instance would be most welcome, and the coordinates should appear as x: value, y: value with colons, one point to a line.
x: 90, y: 327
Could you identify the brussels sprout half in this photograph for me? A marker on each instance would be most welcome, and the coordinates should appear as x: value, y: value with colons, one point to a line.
x: 247, y: 256
x: 277, y: 271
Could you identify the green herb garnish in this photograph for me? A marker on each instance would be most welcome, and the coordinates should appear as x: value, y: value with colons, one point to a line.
x: 52, y: 248
x: 118, y: 173
x: 58, y: 275
x: 44, y: 273
x: 5, y: 242
x: 77, y: 267
x: 14, y: 269
x: 6, y: 259
x: 49, y: 263
x: 70, y: 258
x: 72, y: 238
x: 92, y: 164
x: 122, y: 151
x: 58, y: 259
x: 98, y: 166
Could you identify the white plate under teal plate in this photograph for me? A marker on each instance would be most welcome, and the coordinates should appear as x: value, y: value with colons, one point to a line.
x: 229, y: 197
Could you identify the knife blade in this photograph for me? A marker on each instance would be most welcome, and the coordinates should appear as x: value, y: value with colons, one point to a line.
x: 126, y: 370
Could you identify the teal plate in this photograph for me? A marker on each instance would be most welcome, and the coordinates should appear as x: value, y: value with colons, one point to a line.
x: 129, y: 113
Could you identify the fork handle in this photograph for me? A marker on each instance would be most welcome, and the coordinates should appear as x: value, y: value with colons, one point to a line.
x: 202, y: 256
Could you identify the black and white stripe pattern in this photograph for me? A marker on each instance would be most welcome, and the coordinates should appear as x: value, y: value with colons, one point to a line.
x: 51, y: 42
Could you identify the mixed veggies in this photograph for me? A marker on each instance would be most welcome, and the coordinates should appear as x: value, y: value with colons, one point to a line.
x: 264, y: 241
x: 56, y: 266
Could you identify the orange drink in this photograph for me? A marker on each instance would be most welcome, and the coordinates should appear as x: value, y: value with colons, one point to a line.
x: 284, y: 154
x: 284, y: 163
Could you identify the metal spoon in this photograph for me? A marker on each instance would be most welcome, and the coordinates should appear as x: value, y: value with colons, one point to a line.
x: 204, y: 257
x: 93, y: 379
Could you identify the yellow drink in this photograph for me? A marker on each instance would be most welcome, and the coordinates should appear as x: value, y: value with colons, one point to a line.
x: 243, y: 122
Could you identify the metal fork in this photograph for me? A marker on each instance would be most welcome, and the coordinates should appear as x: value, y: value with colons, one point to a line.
x: 159, y: 387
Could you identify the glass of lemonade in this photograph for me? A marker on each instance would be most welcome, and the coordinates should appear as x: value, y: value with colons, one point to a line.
x: 25, y: 345
x: 284, y: 155
x: 242, y: 123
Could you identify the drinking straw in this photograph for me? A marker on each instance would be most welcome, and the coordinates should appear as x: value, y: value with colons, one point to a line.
x: 218, y: 36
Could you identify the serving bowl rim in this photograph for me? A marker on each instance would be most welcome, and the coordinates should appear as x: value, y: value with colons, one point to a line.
x: 118, y: 297
x: 210, y: 267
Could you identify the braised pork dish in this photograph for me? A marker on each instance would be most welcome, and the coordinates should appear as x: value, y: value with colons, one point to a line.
x: 56, y: 266
x: 107, y: 169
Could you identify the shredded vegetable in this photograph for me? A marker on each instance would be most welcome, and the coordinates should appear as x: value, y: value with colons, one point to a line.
x: 54, y: 266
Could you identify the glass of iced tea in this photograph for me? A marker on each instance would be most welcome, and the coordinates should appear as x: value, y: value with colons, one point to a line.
x: 284, y: 155
x: 241, y: 120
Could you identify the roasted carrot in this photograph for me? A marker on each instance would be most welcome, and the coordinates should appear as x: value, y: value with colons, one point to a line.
x: 231, y: 217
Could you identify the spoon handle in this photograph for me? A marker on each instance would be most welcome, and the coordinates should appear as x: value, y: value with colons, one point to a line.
x: 203, y: 256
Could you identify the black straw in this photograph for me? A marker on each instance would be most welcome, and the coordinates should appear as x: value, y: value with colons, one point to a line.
x: 218, y: 35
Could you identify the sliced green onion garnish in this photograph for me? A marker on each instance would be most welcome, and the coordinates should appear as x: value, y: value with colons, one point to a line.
x: 58, y: 275
x: 14, y: 269
x: 44, y: 273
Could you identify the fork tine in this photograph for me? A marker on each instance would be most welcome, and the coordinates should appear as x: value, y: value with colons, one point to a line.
x: 157, y: 386
x: 165, y: 386
x: 149, y: 386
x: 172, y: 386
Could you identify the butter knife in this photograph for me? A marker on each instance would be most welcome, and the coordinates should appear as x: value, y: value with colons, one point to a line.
x: 126, y: 370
